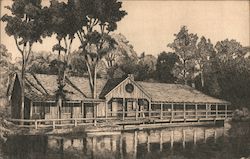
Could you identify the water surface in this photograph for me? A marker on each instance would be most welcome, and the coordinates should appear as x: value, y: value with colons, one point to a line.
x: 229, y: 142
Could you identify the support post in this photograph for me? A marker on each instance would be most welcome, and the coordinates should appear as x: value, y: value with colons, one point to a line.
x: 148, y: 143
x: 36, y: 126
x: 75, y: 122
x: 82, y: 110
x: 172, y: 112
x: 206, y: 110
x: 205, y: 136
x: 226, y: 111
x: 184, y: 112
x: 135, y: 143
x: 161, y: 141
x: 196, y: 113
x: 136, y: 110
x: 161, y: 115
x: 216, y: 107
x: 123, y: 108
x: 149, y: 109
x: 183, y: 138
x: 31, y: 109
x: 95, y: 113
x: 172, y: 139
x: 54, y: 124
x: 106, y: 110
x: 215, y: 135
x: 195, y: 137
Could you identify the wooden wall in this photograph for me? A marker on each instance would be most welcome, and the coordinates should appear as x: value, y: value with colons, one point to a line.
x: 120, y: 92
x: 16, y: 100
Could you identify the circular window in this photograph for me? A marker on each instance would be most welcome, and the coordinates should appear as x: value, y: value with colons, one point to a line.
x: 129, y: 88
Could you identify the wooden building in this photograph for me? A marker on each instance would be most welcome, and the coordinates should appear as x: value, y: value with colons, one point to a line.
x: 119, y: 99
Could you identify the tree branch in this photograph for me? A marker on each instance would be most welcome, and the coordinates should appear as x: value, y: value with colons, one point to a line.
x: 18, y: 47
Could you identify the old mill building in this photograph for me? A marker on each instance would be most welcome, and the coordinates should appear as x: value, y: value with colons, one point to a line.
x: 119, y: 99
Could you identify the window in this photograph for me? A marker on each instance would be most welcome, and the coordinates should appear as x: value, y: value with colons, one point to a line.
x: 42, y: 107
x: 67, y: 107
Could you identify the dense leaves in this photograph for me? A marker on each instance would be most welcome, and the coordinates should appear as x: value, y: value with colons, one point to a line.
x: 164, y: 67
x: 184, y: 46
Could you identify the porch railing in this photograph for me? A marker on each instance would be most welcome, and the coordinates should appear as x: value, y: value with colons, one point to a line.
x: 131, y: 117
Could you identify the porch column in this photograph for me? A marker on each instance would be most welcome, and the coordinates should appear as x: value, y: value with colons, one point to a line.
x: 196, y: 114
x: 206, y: 110
x: 95, y: 113
x: 31, y: 109
x: 123, y: 108
x: 216, y: 109
x: 82, y: 110
x: 161, y: 115
x: 184, y: 111
x: 149, y: 109
x: 106, y: 110
x: 136, y: 113
x: 225, y: 110
x: 172, y: 111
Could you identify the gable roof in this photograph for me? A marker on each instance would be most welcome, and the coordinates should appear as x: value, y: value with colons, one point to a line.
x: 41, y: 87
x: 176, y: 93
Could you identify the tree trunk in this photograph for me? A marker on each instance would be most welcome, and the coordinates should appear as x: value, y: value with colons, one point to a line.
x: 59, y: 105
x: 184, y: 72
x: 22, y: 91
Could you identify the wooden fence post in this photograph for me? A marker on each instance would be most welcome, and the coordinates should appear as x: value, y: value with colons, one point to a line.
x: 149, y: 109
x: 123, y: 108
x: 54, y: 124
x: 36, y: 126
x: 161, y: 115
x: 206, y: 110
x: 172, y: 112
x: 226, y: 111
x: 184, y: 111
x: 216, y: 107
x: 75, y: 123
x: 196, y: 114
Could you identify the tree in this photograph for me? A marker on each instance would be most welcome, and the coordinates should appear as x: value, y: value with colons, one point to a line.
x: 227, y: 50
x: 5, y: 69
x: 184, y: 47
x: 96, y: 19
x: 26, y: 24
x: 41, y: 63
x: 164, y: 67
x: 205, y: 50
x: 63, y: 25
x: 122, y: 49
x: 145, y: 67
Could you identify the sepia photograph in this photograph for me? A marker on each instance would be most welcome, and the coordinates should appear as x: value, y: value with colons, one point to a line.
x: 124, y: 79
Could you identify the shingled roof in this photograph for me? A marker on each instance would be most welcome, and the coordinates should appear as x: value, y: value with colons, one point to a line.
x: 41, y: 87
x: 177, y: 93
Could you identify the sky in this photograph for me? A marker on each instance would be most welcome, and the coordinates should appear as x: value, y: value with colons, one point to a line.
x: 151, y: 25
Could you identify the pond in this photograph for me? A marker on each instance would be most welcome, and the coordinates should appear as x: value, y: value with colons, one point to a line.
x: 229, y: 142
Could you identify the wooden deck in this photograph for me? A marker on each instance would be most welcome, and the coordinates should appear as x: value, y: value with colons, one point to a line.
x: 153, y: 118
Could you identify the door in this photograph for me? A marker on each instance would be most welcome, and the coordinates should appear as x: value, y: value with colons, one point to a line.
x: 130, y: 108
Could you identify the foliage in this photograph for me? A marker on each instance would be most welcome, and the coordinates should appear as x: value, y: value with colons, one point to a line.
x: 122, y: 49
x: 27, y: 25
x: 164, y: 67
x: 96, y: 43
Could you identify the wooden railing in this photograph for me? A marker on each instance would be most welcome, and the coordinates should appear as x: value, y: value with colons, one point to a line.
x: 119, y: 118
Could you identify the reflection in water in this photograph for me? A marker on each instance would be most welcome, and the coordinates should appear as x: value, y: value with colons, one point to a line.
x: 188, y: 142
